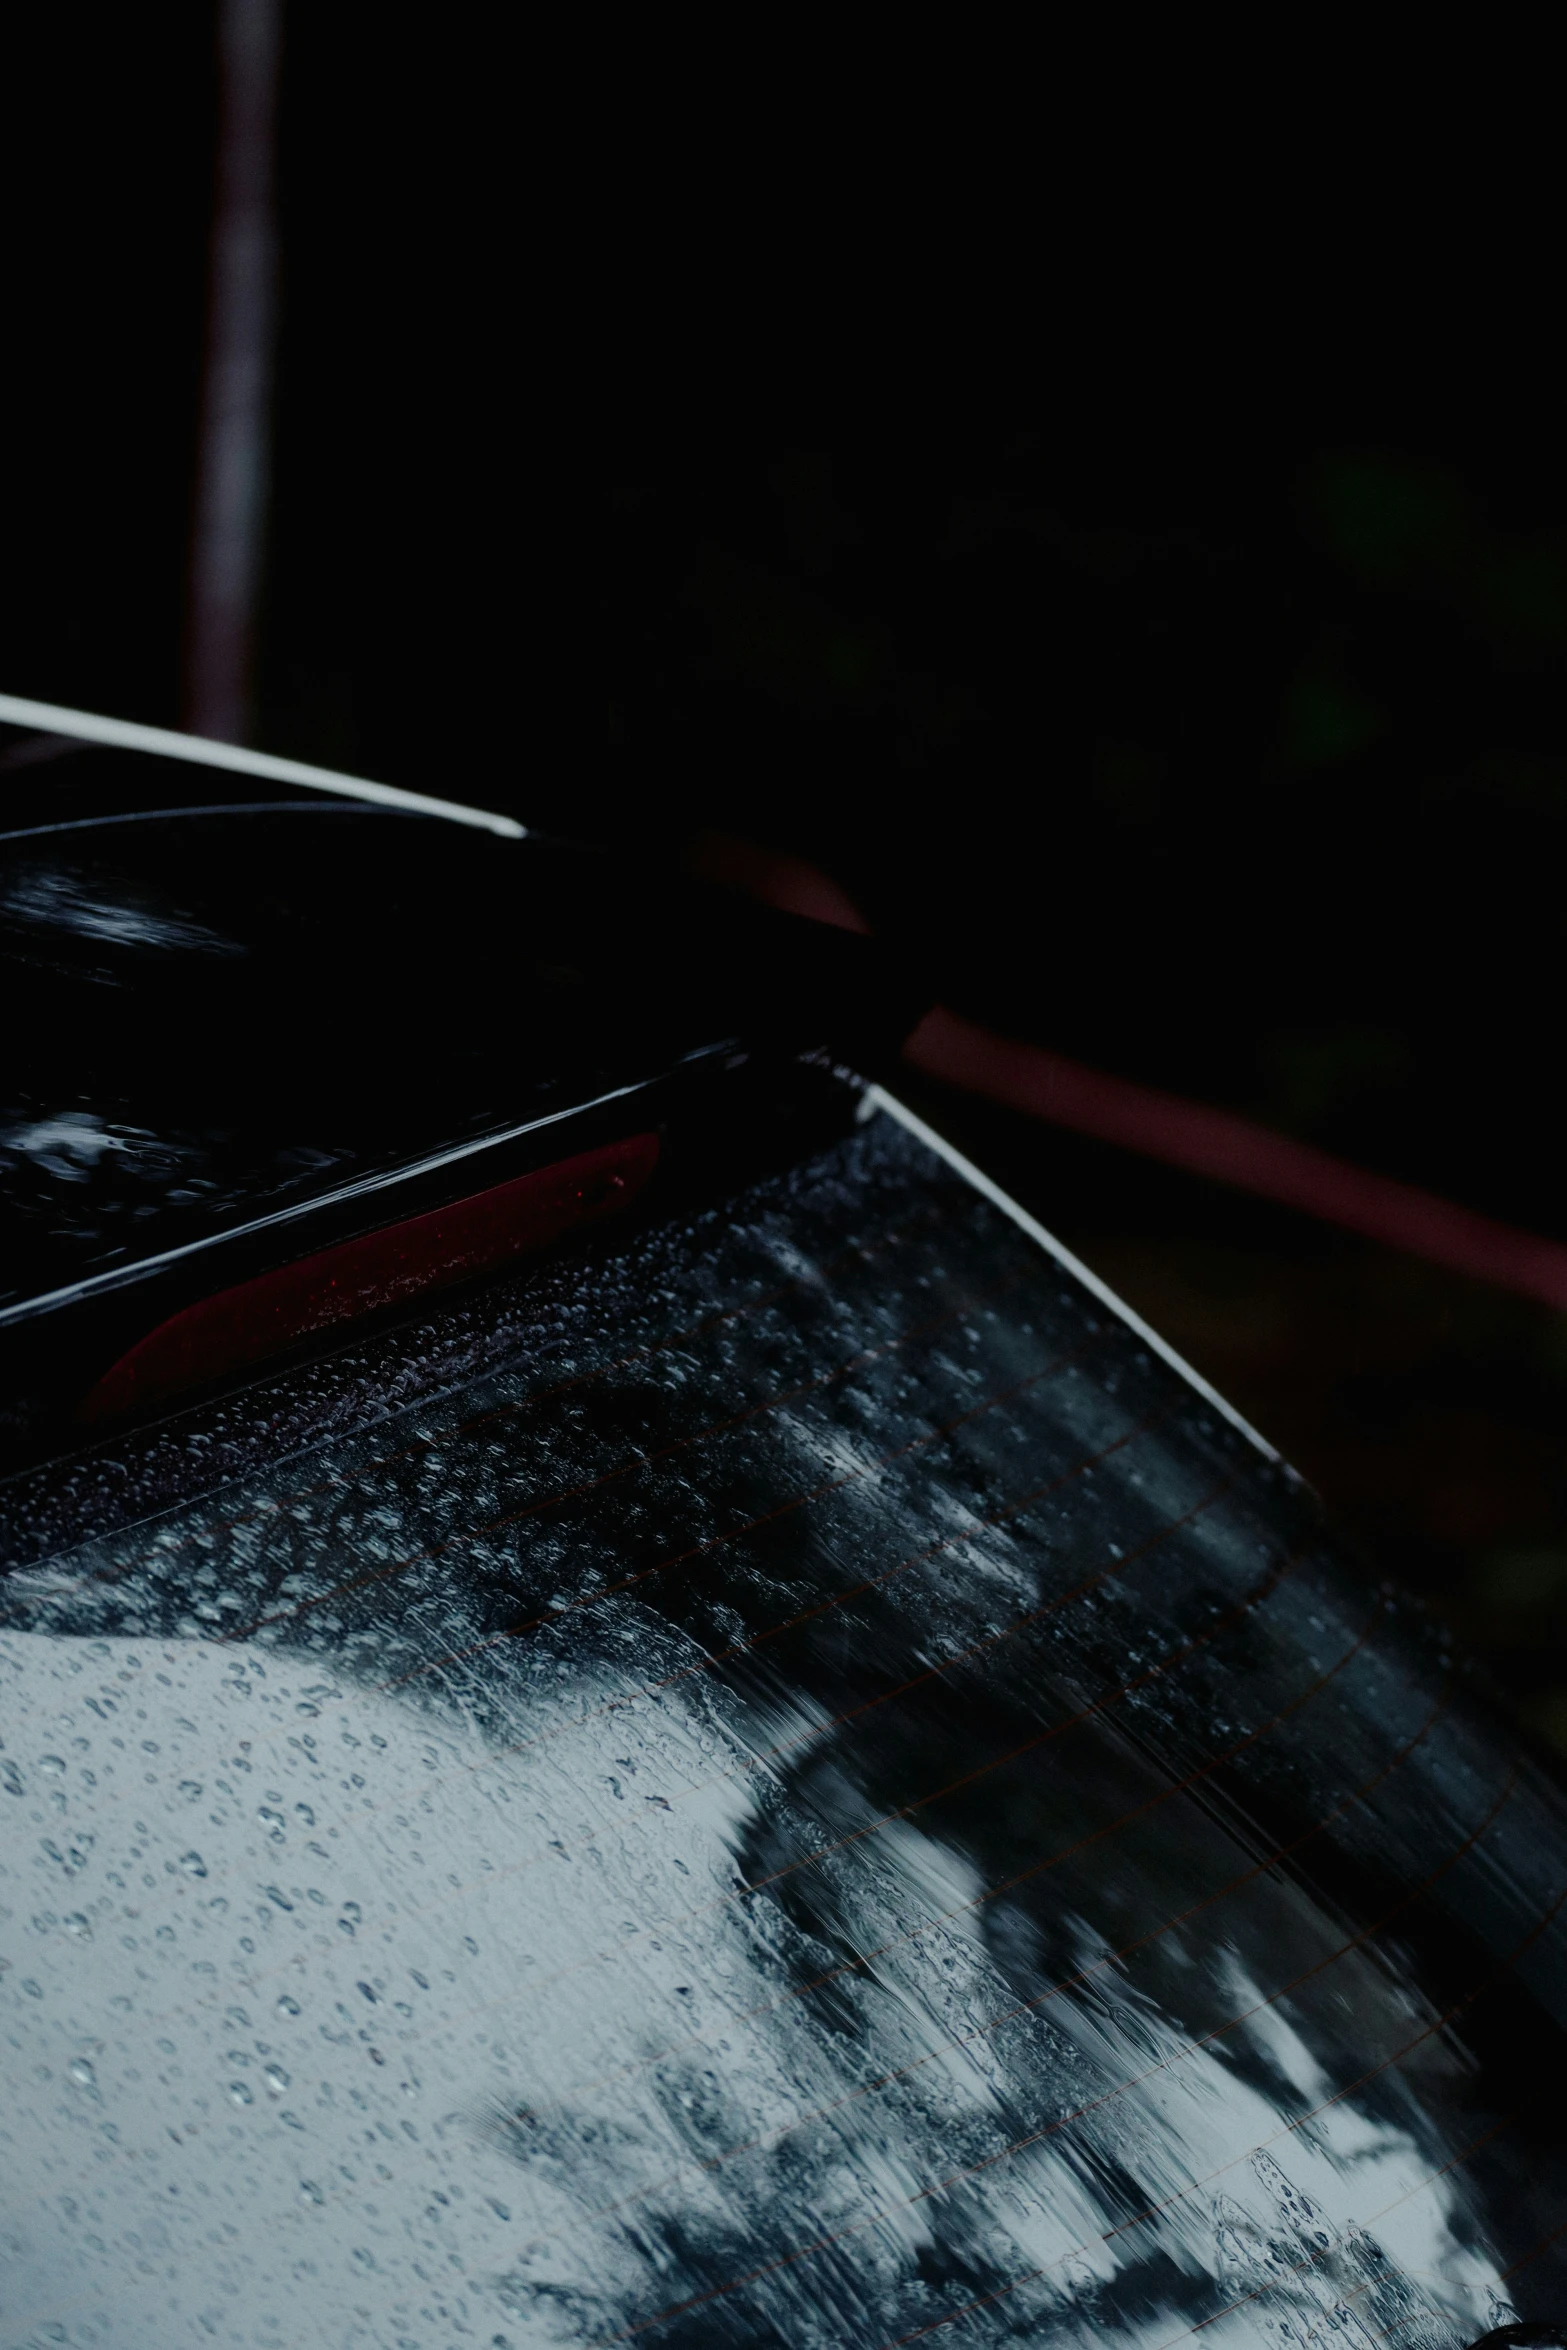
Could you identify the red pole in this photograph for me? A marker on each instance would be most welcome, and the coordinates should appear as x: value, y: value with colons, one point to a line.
x: 1194, y: 1135
x: 1228, y: 1149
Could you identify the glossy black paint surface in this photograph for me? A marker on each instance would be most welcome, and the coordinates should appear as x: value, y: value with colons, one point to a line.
x: 237, y: 1035
x: 797, y: 1786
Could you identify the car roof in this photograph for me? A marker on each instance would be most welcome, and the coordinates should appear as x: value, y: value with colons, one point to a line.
x: 243, y: 1030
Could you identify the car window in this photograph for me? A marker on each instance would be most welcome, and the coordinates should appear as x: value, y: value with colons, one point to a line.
x: 821, y: 1794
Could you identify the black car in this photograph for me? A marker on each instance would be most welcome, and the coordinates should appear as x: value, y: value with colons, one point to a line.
x: 630, y: 1709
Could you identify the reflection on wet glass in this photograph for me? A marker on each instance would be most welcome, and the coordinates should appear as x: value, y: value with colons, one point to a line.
x: 827, y: 1800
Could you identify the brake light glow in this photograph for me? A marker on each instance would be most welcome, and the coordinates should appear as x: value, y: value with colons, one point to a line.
x: 225, y: 1333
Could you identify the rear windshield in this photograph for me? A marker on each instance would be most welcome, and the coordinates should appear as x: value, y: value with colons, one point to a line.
x: 798, y: 1785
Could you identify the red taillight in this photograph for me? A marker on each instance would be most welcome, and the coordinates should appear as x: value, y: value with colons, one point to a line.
x: 222, y: 1334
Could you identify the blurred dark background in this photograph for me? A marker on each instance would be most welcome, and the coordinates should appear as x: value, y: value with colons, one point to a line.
x: 1224, y: 749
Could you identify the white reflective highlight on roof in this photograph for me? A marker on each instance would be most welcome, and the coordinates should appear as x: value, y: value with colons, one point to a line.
x: 124, y: 734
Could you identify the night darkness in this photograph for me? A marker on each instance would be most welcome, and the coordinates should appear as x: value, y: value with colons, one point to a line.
x: 1231, y: 760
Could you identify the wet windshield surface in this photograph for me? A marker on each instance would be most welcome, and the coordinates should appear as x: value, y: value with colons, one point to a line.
x: 829, y: 1799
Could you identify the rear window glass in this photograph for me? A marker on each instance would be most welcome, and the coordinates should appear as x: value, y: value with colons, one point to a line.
x: 823, y: 1795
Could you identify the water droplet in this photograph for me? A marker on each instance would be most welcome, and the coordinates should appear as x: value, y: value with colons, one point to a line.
x: 82, y: 2073
x: 240, y: 2094
x: 500, y: 2210
x: 275, y: 1821
x: 287, y: 2006
x: 303, y: 1811
x: 276, y: 2079
x: 11, y: 1779
x: 367, y: 1993
x: 53, y: 1764
x: 76, y: 1924
x: 193, y: 1864
x: 190, y: 1789
x: 309, y: 2192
